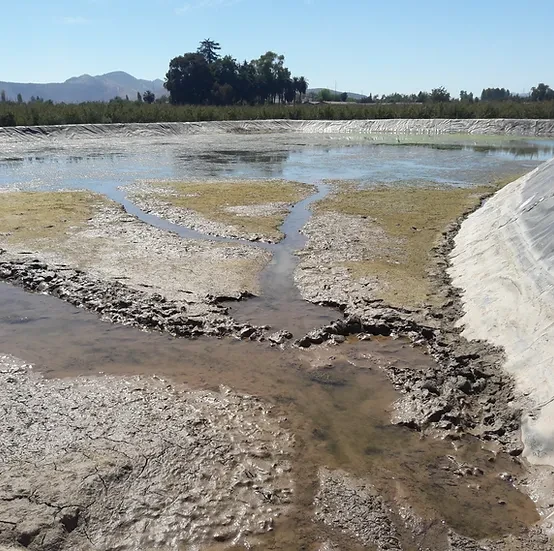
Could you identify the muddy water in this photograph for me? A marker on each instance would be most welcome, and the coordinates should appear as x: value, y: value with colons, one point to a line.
x: 337, y: 401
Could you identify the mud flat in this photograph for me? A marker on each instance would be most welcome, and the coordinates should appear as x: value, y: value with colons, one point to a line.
x: 377, y: 243
x: 135, y: 463
x: 251, y: 210
x: 378, y: 255
x: 88, y: 250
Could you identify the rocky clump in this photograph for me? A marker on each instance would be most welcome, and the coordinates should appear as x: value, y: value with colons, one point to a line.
x: 118, y: 303
x: 104, y: 463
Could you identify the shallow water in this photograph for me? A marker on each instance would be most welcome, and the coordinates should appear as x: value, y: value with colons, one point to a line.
x: 340, y: 412
x: 102, y: 164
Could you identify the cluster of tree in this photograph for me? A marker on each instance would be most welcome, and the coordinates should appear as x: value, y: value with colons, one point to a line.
x: 205, y: 78
x: 327, y: 95
x: 438, y: 95
x: 541, y: 92
x: 496, y: 94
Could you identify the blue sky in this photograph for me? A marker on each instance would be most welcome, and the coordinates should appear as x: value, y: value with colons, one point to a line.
x: 371, y: 46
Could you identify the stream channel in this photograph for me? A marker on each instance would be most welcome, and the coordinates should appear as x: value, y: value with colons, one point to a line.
x: 341, y: 420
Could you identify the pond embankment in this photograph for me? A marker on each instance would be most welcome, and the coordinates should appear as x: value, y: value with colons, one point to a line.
x: 504, y: 263
x: 512, y: 127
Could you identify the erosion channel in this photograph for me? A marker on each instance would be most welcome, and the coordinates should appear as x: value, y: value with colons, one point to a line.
x: 225, y: 372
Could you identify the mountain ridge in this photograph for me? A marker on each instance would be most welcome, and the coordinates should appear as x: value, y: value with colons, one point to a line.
x: 84, y: 87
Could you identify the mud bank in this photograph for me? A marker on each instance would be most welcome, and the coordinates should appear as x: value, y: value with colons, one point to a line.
x: 250, y: 210
x: 513, y: 127
x: 466, y: 391
x: 125, y: 270
x: 504, y: 263
x: 355, y: 507
x: 135, y: 463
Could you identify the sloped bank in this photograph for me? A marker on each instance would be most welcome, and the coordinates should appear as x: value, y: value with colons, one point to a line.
x: 504, y: 263
x: 511, y: 127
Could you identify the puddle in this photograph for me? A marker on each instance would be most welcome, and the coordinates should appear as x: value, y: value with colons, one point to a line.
x: 339, y: 410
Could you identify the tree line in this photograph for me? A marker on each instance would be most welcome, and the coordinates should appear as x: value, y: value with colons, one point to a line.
x: 541, y: 92
x: 122, y: 111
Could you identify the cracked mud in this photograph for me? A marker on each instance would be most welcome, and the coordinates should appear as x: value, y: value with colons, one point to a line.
x: 120, y: 463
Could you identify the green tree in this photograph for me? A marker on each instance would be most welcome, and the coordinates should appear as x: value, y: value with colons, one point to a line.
x: 247, y: 87
x: 148, y: 97
x: 209, y: 49
x: 466, y: 96
x: 344, y: 96
x: 19, y: 98
x: 325, y: 95
x: 139, y: 97
x: 189, y: 79
x: 3, y: 96
x: 289, y: 94
x: 495, y: 94
x: 542, y: 92
x: 440, y: 94
x: 302, y: 87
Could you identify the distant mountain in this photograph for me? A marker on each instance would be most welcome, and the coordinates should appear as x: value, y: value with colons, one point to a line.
x: 351, y: 95
x: 85, y: 88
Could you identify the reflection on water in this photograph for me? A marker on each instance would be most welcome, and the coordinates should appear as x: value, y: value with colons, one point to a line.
x: 305, y: 158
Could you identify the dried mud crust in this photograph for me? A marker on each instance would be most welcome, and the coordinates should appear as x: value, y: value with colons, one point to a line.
x: 251, y: 210
x: 135, y: 463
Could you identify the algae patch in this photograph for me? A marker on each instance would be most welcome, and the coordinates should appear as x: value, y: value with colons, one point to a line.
x: 41, y: 216
x: 407, y: 221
